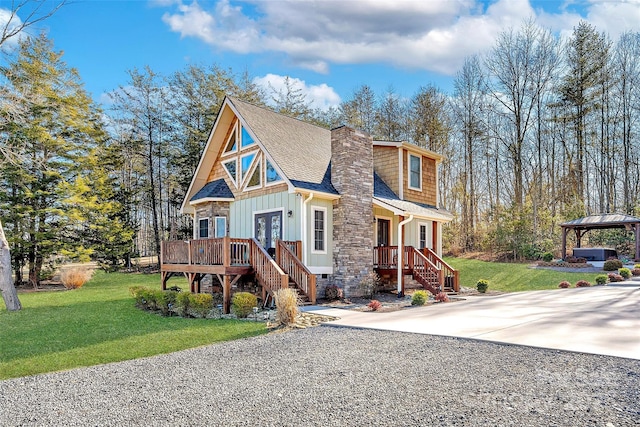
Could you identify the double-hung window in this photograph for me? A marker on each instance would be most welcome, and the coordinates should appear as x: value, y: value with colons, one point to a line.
x: 319, y: 230
x: 415, y: 172
x: 203, y: 228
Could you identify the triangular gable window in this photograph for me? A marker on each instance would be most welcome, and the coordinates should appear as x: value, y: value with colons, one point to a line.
x: 246, y: 139
x: 231, y: 166
x: 271, y: 173
x: 232, y: 144
x: 256, y: 177
x: 245, y: 164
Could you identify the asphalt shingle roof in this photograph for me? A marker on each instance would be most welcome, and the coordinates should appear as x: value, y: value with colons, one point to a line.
x: 302, y: 150
x: 217, y: 189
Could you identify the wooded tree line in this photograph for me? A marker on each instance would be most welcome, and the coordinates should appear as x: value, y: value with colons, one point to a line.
x: 535, y: 133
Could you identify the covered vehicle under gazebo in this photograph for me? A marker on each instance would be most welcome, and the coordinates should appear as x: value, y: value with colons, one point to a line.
x: 598, y: 222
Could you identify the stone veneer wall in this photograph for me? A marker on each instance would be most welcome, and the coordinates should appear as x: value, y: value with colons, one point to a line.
x: 211, y: 210
x: 352, y: 176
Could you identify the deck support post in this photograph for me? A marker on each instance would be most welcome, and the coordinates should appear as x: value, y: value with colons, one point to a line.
x: 226, y: 294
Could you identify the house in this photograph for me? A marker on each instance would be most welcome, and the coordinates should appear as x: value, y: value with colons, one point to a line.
x: 299, y: 205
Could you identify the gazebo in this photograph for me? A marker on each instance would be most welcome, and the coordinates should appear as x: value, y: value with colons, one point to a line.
x: 597, y: 222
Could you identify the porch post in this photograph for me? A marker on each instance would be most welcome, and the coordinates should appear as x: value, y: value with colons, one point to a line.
x: 636, y: 232
x: 434, y: 236
x: 401, y: 253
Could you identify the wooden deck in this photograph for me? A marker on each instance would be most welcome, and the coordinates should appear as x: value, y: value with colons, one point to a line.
x: 230, y: 258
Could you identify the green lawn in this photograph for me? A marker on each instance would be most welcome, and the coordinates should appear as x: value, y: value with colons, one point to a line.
x: 512, y: 277
x: 99, y: 323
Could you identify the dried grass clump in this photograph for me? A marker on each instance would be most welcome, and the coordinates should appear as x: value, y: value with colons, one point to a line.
x: 75, y: 278
x: 286, y: 306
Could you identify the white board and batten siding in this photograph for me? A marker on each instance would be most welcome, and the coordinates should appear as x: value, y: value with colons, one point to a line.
x: 242, y: 222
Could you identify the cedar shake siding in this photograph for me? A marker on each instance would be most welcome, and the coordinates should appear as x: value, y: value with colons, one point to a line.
x: 352, y: 177
x: 428, y: 194
x: 385, y: 164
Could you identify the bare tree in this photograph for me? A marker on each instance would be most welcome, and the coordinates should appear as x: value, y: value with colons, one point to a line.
x: 34, y: 11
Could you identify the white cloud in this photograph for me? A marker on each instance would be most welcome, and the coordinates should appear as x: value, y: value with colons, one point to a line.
x: 434, y: 35
x: 11, y: 23
x: 319, y: 96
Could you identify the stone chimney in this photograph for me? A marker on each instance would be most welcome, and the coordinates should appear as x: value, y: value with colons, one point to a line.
x: 352, y: 176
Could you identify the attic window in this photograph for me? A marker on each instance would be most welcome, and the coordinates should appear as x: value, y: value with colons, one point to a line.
x: 231, y: 143
x: 231, y: 166
x: 271, y: 173
x: 256, y: 177
x: 245, y: 164
x: 246, y: 139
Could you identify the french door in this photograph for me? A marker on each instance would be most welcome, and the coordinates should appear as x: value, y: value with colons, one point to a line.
x: 268, y: 228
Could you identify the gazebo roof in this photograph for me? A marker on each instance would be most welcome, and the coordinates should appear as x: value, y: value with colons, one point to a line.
x: 602, y: 221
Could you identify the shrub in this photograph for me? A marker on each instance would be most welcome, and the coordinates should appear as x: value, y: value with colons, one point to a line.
x: 419, y: 297
x: 635, y: 272
x: 286, y: 306
x: 442, y: 297
x: 482, y: 285
x: 612, y: 265
x: 636, y: 266
x: 74, y: 278
x: 547, y: 257
x: 166, y: 301
x: 374, y: 305
x: 615, y: 277
x: 333, y: 292
x: 202, y: 304
x: 183, y: 303
x: 601, y: 279
x: 242, y: 304
x: 369, y: 285
x: 582, y: 284
x: 564, y: 284
x: 139, y: 294
x: 625, y: 272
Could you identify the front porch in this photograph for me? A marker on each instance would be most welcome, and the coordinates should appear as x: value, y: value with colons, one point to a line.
x: 424, y: 265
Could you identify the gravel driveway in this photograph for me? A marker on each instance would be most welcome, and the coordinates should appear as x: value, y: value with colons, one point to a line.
x: 328, y: 376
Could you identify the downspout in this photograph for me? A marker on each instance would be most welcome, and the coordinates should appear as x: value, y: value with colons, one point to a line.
x: 305, y: 231
x: 401, y: 254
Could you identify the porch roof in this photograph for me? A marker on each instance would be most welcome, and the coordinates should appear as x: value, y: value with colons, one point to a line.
x: 384, y: 197
x: 212, y: 191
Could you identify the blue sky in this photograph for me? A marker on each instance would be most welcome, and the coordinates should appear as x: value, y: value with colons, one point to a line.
x: 329, y: 47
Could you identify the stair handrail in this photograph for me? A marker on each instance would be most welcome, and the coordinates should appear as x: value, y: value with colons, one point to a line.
x: 418, y: 259
x: 268, y: 272
x: 449, y: 271
x: 297, y: 271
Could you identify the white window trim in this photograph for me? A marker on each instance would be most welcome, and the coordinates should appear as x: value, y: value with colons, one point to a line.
x: 208, y: 227
x: 233, y: 178
x: 267, y: 183
x: 409, y: 172
x: 426, y: 234
x: 241, y: 179
x: 324, y: 231
x: 252, y: 169
x: 215, y: 231
x: 226, y: 143
x: 388, y: 218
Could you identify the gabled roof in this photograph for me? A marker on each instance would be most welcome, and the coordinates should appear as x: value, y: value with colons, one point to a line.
x: 602, y: 221
x: 214, y: 190
x: 384, y: 197
x: 301, y: 150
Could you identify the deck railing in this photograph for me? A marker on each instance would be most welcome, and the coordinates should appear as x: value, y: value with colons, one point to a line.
x: 450, y: 274
x: 268, y: 273
x: 296, y: 270
x: 386, y: 257
x: 295, y: 246
x: 219, y: 251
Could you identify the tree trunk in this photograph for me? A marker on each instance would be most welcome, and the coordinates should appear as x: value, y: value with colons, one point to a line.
x: 9, y: 293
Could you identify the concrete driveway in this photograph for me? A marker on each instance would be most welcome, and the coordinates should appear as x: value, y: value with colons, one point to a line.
x: 598, y: 320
